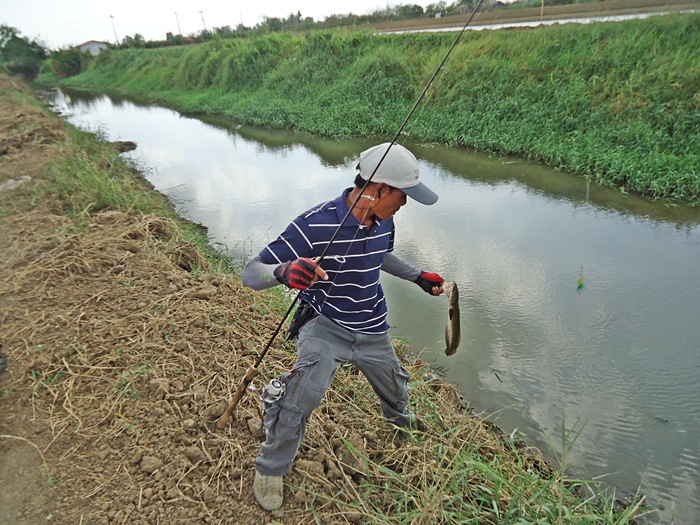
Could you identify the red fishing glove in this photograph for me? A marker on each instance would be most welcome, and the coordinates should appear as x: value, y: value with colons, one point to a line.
x: 428, y: 280
x: 297, y: 273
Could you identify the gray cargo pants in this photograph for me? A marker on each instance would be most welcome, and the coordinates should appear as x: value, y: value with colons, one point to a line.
x: 322, y: 346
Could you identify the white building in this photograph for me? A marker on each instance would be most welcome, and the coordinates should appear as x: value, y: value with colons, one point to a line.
x: 93, y: 47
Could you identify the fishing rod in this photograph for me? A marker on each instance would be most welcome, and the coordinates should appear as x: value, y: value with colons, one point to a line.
x: 252, y: 372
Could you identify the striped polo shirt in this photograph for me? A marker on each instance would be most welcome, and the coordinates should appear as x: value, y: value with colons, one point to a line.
x: 352, y: 296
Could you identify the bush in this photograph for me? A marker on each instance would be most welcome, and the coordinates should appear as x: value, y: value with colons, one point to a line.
x: 66, y: 62
x: 19, y: 55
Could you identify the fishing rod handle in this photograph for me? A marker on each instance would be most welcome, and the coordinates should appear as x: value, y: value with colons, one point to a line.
x: 240, y: 392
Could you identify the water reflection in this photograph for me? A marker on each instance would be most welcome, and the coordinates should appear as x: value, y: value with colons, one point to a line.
x: 616, y: 365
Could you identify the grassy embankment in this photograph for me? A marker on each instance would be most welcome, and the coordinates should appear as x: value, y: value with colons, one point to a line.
x: 617, y: 102
x: 125, y: 341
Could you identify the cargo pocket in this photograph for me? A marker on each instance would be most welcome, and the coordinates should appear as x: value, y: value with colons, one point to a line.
x: 401, y: 374
x: 305, y: 387
x: 285, y: 424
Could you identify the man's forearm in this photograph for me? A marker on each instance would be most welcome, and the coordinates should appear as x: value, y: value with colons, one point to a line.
x: 394, y: 265
x: 258, y: 275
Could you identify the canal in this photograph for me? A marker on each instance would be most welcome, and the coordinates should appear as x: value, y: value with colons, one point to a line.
x: 605, y: 379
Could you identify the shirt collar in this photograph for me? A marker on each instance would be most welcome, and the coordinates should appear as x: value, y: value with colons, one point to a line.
x: 342, y: 209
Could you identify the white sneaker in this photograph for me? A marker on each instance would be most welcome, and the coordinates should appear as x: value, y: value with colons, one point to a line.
x: 268, y: 491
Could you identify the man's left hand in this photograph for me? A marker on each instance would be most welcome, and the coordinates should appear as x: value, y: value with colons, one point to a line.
x: 430, y: 283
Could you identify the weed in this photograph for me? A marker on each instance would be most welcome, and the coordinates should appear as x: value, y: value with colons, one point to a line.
x: 52, y: 481
x: 127, y: 380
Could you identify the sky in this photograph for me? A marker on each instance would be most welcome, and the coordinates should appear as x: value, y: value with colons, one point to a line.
x: 61, y: 24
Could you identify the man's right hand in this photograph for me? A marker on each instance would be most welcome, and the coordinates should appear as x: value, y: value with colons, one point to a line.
x: 299, y: 273
x: 430, y: 282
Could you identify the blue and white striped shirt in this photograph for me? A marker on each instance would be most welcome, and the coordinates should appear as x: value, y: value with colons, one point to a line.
x: 352, y: 296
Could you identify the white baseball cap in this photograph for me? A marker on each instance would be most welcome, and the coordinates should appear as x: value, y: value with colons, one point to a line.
x: 398, y: 169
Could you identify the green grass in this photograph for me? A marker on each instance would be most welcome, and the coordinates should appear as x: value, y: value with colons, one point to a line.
x: 93, y: 177
x: 90, y: 176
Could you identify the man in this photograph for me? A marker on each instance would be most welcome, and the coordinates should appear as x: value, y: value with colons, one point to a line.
x: 342, y: 311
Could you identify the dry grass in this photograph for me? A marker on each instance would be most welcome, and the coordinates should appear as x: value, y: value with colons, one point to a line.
x: 125, y: 363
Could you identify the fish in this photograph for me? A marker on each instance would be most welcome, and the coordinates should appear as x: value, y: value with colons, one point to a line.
x: 453, y: 333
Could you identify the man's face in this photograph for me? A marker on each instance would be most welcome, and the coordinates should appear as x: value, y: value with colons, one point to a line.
x: 390, y: 201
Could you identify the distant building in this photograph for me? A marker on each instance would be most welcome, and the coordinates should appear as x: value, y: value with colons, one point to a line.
x: 93, y: 47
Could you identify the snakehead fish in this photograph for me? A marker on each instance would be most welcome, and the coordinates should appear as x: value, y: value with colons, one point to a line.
x: 453, y: 333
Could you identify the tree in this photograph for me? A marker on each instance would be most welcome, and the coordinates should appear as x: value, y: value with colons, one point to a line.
x: 408, y: 11
x: 19, y: 55
x: 136, y: 41
x: 293, y: 18
x: 271, y: 24
x: 439, y: 7
x: 223, y: 31
x: 242, y: 30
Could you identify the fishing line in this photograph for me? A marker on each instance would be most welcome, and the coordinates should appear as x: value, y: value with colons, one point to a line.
x: 252, y: 372
x: 345, y: 257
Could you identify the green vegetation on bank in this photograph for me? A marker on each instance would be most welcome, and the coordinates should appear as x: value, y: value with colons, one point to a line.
x: 617, y: 102
x: 91, y: 177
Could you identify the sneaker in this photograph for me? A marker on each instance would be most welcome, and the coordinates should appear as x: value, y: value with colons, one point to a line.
x: 268, y: 491
x: 3, y: 364
x: 414, y: 424
x: 417, y: 424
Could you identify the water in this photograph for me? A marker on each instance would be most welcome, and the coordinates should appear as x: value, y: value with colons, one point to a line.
x: 541, y: 22
x: 616, y: 365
